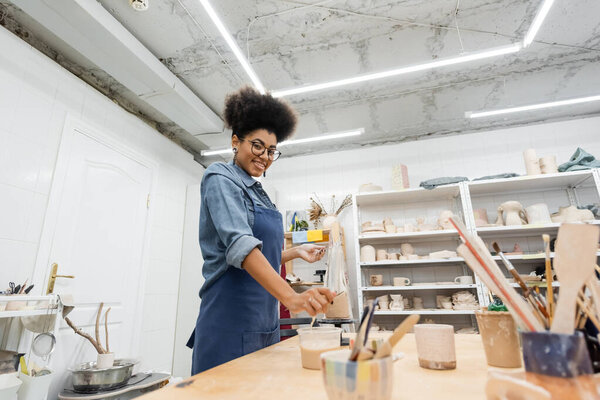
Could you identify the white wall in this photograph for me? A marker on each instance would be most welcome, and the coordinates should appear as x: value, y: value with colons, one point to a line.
x: 36, y: 94
x: 473, y: 155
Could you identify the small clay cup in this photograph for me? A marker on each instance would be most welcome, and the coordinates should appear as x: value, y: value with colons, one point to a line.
x: 500, y: 338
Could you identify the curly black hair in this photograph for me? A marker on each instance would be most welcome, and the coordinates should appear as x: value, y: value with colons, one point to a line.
x: 247, y: 110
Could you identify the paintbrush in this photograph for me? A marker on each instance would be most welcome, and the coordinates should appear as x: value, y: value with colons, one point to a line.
x: 549, y: 277
x: 527, y: 292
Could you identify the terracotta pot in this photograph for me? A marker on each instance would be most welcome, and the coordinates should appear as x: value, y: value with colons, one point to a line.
x: 500, y: 338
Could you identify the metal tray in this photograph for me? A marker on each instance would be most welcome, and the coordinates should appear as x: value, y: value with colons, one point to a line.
x: 89, y: 379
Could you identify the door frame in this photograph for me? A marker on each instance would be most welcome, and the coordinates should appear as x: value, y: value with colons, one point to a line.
x: 41, y: 272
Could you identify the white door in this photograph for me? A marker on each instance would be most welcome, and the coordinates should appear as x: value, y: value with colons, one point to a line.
x: 95, y: 229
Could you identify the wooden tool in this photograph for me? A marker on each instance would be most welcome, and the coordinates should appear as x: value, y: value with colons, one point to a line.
x: 575, y: 258
x: 385, y: 350
x: 479, y: 259
x: 363, y: 331
x: 549, y: 277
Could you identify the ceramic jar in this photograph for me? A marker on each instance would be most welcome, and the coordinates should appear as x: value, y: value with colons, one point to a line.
x: 538, y: 214
x: 513, y: 213
x: 548, y: 165
x: 532, y: 164
x: 367, y: 254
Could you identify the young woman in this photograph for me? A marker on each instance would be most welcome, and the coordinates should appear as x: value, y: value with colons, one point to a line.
x: 241, y: 238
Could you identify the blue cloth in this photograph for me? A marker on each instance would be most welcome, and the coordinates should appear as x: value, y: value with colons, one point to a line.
x: 228, y: 198
x: 447, y: 180
x: 237, y: 315
x: 580, y: 160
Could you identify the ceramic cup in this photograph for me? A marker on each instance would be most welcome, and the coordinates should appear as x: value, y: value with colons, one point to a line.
x: 401, y: 281
x: 349, y: 380
x: 384, y: 305
x: 376, y: 280
x: 538, y: 214
x: 381, y: 255
x: 367, y: 254
x: 500, y: 338
x: 435, y: 346
x: 105, y: 360
x: 532, y: 163
x: 464, y: 280
x: 548, y: 165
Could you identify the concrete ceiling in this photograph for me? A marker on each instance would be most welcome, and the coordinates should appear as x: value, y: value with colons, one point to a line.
x: 294, y: 43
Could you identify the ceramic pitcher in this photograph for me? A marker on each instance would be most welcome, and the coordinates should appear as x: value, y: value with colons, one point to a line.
x: 513, y: 213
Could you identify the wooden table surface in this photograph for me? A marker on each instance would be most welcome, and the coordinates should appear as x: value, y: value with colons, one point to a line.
x: 276, y: 373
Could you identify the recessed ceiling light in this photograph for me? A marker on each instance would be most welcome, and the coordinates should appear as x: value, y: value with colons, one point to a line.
x: 233, y: 45
x: 531, y: 107
x: 403, y: 70
x: 331, y: 136
x: 537, y: 22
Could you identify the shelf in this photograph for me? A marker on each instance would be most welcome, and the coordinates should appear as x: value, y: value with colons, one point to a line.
x: 531, y: 183
x: 415, y: 287
x: 400, y: 263
x: 536, y: 283
x: 522, y: 230
x: 383, y: 238
x: 426, y: 312
x: 419, y: 195
x: 27, y: 313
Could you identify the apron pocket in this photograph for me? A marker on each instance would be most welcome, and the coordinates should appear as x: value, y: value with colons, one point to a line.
x: 253, y: 341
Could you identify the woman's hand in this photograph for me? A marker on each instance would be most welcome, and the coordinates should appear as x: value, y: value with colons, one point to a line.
x: 310, y: 252
x: 313, y: 301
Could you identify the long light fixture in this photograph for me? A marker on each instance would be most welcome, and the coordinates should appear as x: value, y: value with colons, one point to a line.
x: 403, y: 70
x: 232, y: 45
x: 537, y: 22
x: 579, y: 100
x: 331, y: 136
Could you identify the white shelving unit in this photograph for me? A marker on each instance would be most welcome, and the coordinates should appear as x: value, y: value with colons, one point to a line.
x: 571, y: 188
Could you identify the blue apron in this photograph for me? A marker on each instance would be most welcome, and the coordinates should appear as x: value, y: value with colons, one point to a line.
x: 237, y: 315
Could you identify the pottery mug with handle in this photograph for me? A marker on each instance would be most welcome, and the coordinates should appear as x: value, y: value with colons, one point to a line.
x: 464, y: 280
x: 401, y: 281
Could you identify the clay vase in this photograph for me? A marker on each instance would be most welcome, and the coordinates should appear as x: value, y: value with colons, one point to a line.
x: 444, y: 219
x: 548, y: 165
x: 538, y: 214
x: 407, y: 249
x: 532, y: 164
x: 481, y: 217
x: 367, y: 254
x: 397, y: 303
x: 500, y: 338
x: 513, y: 213
x: 572, y: 214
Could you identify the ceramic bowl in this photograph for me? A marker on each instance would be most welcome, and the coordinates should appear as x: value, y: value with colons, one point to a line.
x: 350, y: 380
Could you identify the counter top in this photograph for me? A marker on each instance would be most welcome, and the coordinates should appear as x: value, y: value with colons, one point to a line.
x: 276, y: 373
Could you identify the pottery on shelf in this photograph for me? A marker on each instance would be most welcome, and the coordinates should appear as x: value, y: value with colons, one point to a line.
x: 444, y: 219
x: 442, y: 254
x: 401, y: 281
x: 381, y: 255
x: 532, y: 163
x: 424, y: 227
x: 513, y: 213
x: 376, y: 280
x: 499, y: 218
x: 517, y: 250
x: 439, y: 299
x: 465, y: 300
x: 369, y: 187
x: 548, y: 165
x: 369, y: 227
x: 397, y: 303
x: 400, y: 177
x: 481, y: 217
x: 572, y: 214
x: 417, y: 303
x: 407, y: 249
x: 392, y: 256
x: 406, y: 302
x: 383, y: 305
x: 388, y: 225
x: 538, y: 214
x: 367, y: 254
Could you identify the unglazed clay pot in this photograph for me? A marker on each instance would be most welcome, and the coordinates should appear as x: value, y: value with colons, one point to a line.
x: 548, y: 165
x: 381, y: 255
x: 367, y: 254
x: 572, y: 214
x: 417, y: 303
x: 513, y: 213
x: 407, y: 249
x: 397, y: 303
x: 481, y: 217
x: 376, y: 280
x: 444, y: 219
x: 538, y: 214
x: 532, y: 164
x: 500, y: 218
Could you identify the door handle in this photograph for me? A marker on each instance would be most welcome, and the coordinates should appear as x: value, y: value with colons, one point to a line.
x: 53, y: 276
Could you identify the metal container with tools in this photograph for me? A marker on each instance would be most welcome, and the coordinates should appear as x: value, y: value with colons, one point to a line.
x: 89, y: 379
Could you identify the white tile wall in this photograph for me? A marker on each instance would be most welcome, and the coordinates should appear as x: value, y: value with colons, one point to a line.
x: 36, y: 94
x: 473, y: 155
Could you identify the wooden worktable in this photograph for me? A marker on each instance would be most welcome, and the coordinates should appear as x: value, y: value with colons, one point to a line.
x: 276, y: 373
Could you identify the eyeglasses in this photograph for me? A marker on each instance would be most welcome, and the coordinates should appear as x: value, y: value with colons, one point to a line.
x: 258, y: 149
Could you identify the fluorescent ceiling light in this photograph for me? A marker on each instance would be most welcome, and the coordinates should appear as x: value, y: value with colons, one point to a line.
x: 338, y: 135
x: 537, y: 22
x: 232, y: 45
x: 480, y: 114
x: 403, y: 70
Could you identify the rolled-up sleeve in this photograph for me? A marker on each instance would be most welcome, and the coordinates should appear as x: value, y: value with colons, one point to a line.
x: 228, y: 211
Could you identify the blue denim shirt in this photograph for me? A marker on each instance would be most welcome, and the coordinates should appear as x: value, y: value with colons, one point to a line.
x: 227, y: 217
